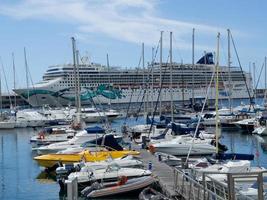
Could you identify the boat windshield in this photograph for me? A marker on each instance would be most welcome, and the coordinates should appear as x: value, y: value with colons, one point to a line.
x: 113, y: 167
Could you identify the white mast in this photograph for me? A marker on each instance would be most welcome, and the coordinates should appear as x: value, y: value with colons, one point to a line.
x: 14, y: 77
x: 217, y: 93
x: 254, y: 80
x: 265, y: 79
x: 143, y: 64
x: 160, y: 73
x: 171, y: 87
x: 78, y: 83
x: 152, y: 80
x: 109, y: 80
x: 193, y: 67
x: 229, y: 72
x: 75, y: 72
x: 27, y: 74
x: 1, y: 100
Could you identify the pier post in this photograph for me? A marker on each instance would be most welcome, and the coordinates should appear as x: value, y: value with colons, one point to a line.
x: 260, y: 186
x: 231, y: 185
x: 144, y: 140
x: 72, y: 189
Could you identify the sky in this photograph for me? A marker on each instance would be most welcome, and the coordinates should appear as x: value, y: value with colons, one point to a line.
x: 118, y: 28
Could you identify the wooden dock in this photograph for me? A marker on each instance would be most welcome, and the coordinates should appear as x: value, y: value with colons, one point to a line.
x: 163, y: 173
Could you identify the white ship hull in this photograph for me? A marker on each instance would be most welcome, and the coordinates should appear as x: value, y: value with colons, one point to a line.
x: 135, y: 97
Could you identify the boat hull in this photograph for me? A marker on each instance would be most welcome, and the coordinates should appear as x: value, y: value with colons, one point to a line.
x: 51, y: 160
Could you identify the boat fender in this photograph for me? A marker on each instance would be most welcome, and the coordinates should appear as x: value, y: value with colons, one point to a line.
x: 149, y: 165
x: 122, y: 180
x: 42, y: 136
x: 152, y: 149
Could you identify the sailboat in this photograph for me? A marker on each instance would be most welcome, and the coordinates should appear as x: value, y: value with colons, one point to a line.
x: 6, y: 121
x: 184, y: 145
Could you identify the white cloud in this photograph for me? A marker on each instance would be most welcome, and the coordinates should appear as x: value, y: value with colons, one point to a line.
x: 133, y: 21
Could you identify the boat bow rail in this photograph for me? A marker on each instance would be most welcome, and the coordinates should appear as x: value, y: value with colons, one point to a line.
x: 210, y: 188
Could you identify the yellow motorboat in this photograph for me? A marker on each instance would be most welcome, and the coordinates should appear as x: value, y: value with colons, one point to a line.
x: 50, y: 160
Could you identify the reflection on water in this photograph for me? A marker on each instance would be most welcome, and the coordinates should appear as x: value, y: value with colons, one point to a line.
x: 21, y: 177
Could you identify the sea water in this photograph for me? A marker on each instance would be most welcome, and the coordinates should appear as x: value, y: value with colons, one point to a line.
x: 20, y: 176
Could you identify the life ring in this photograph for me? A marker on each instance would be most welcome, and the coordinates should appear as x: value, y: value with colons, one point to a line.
x: 152, y: 149
x: 122, y: 180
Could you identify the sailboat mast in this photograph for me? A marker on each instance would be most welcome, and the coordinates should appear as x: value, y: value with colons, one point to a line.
x: 183, y: 86
x: 143, y: 64
x: 14, y: 77
x: 265, y: 78
x: 254, y: 80
x: 229, y: 72
x: 160, y: 74
x: 78, y: 82
x: 27, y: 75
x: 217, y: 93
x: 75, y: 71
x: 193, y: 67
x: 1, y: 98
x: 109, y: 82
x: 152, y: 80
x: 171, y: 70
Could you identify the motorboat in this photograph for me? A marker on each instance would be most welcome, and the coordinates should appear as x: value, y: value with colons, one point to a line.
x: 88, y: 134
x: 126, y: 161
x: 149, y: 194
x: 7, y: 124
x: 180, y: 145
x: 260, y: 130
x: 91, y: 115
x: 111, y: 173
x: 246, y: 125
x: 52, y: 135
x: 122, y: 186
x: 218, y: 171
x: 109, y: 141
x: 50, y: 160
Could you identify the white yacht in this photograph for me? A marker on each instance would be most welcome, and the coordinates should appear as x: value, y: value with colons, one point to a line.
x: 110, y: 173
x: 180, y: 145
x: 88, y: 134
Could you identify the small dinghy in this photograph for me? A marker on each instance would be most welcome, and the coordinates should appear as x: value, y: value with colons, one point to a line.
x: 151, y: 194
x: 122, y: 186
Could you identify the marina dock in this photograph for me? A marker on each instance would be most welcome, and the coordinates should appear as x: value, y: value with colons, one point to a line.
x: 163, y: 172
x: 177, y: 184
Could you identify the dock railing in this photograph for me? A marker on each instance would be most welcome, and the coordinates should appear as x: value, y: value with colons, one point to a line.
x: 191, y: 184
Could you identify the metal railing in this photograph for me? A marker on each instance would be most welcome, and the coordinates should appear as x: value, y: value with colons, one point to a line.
x: 195, y: 185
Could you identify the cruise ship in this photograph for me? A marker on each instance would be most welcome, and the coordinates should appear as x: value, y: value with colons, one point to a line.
x: 115, y: 85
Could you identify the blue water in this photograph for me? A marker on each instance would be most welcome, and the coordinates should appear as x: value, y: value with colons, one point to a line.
x: 18, y: 171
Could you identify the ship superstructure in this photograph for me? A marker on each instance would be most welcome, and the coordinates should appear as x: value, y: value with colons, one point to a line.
x: 117, y: 85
